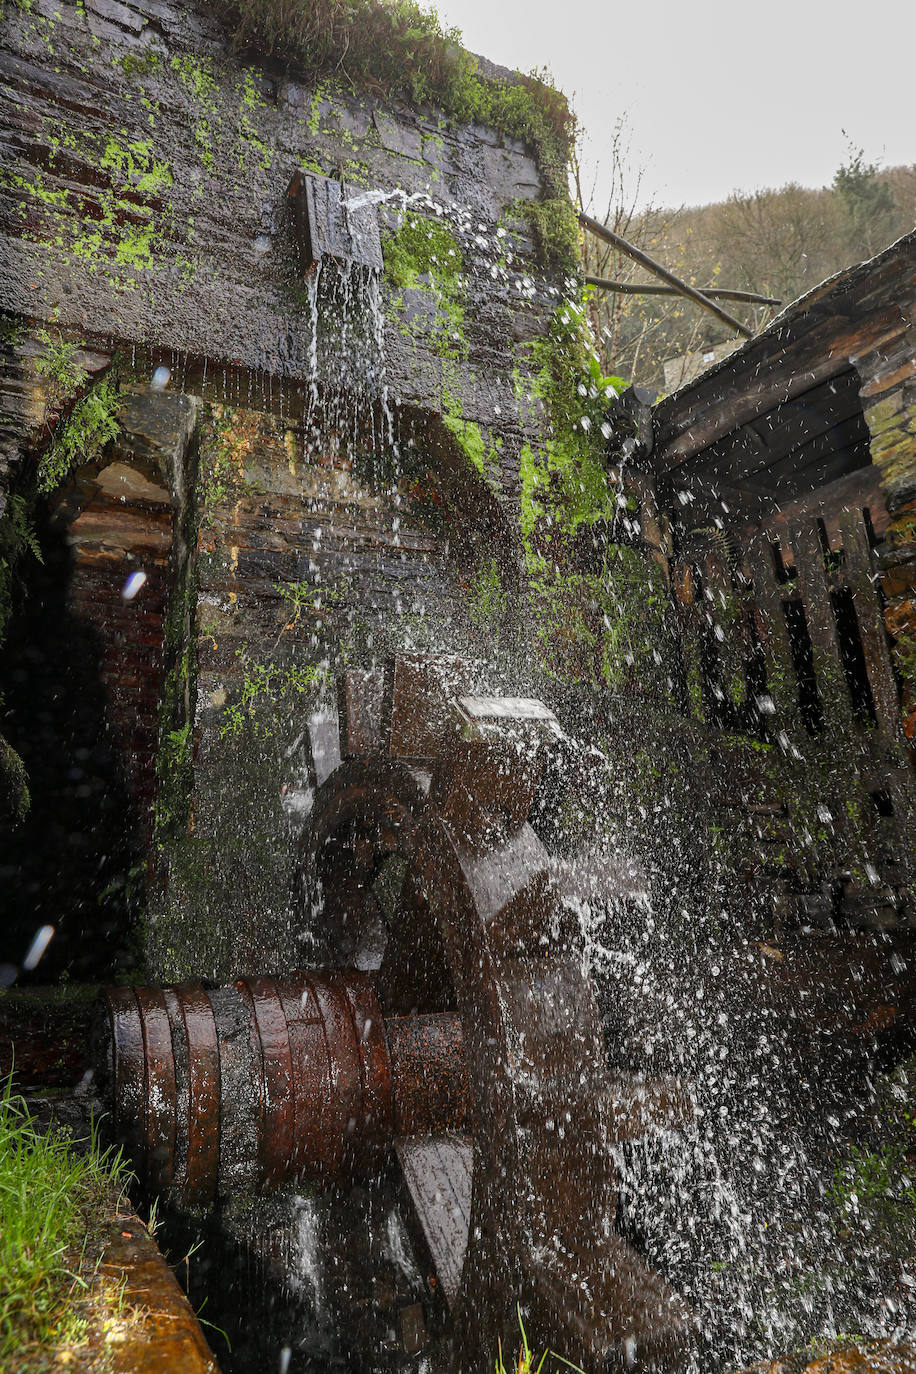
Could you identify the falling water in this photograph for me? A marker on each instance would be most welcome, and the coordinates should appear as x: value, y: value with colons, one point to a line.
x: 303, y: 1264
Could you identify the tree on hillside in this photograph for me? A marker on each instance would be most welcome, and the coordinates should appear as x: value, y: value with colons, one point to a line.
x: 868, y: 202
x: 776, y: 242
x: 631, y: 337
x: 779, y: 243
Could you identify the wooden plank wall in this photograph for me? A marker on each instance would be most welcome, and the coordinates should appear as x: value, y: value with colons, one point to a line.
x: 837, y: 777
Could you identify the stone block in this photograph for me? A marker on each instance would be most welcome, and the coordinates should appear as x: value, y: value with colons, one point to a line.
x: 157, y: 425
x: 117, y: 13
x: 398, y: 137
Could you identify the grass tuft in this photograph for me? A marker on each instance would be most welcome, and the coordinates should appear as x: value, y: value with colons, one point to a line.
x: 50, y: 1196
x: 524, y: 1362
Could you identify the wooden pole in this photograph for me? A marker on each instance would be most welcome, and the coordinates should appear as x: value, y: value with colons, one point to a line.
x: 602, y: 232
x: 713, y: 293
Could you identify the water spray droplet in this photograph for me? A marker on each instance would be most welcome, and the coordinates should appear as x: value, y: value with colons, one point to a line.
x: 133, y: 585
x: 38, y: 946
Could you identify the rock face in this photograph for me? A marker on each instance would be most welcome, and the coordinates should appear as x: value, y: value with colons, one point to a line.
x: 869, y: 1357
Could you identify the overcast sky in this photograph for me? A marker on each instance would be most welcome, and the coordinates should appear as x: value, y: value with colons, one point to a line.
x: 719, y: 95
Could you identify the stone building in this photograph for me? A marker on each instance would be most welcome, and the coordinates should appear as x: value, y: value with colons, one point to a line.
x: 297, y: 377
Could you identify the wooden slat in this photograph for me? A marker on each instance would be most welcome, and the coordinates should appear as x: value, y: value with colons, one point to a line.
x: 896, y: 773
x: 733, y: 650
x: 782, y: 686
x: 687, y: 588
x: 859, y: 577
x: 439, y: 1174
x: 774, y: 633
x: 822, y: 629
x: 324, y: 743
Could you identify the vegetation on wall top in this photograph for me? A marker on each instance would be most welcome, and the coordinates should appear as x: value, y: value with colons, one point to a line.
x: 400, y: 48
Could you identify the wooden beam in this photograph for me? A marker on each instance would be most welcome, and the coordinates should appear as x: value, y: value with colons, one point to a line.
x: 893, y: 766
x: 829, y: 671
x: 773, y: 632
x: 840, y: 450
x: 761, y: 448
x: 860, y: 578
x: 688, y: 600
x: 860, y: 489
x: 712, y: 293
x: 709, y: 491
x: 732, y: 639
x: 601, y: 231
x: 769, y: 373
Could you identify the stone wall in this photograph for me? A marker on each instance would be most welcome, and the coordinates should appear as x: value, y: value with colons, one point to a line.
x: 309, y: 472
x: 144, y: 198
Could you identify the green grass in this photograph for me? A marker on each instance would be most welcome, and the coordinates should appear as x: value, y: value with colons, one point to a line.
x: 51, y: 1195
x: 402, y: 49
x: 525, y: 1362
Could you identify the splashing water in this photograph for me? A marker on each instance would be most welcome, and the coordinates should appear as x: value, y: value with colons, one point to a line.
x: 738, y: 1208
x: 304, y: 1267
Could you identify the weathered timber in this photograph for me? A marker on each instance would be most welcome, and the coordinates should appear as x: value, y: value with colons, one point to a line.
x: 861, y: 578
x: 162, y: 1336
x: 688, y: 597
x: 844, y: 321
x: 730, y: 633
x: 603, y: 232
x: 822, y: 629
x: 712, y: 293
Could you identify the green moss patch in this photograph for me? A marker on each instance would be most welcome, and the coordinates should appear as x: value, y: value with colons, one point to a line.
x: 15, y: 798
x: 482, y: 456
x: 601, y: 607
x: 424, y: 254
x: 566, y: 478
x: 555, y: 225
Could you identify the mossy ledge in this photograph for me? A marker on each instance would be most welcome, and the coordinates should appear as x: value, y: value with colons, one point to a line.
x: 402, y: 50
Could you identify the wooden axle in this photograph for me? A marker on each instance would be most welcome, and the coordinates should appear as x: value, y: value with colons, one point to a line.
x: 273, y: 1080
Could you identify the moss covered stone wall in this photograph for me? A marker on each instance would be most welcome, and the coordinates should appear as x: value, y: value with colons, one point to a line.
x: 419, y: 461
x: 145, y: 198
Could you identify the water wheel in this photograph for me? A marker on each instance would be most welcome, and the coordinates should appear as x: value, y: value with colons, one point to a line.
x: 429, y: 875
x: 450, y: 1025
